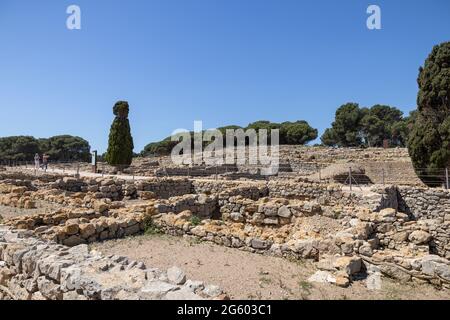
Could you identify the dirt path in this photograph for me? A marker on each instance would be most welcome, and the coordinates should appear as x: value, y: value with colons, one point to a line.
x: 245, y: 275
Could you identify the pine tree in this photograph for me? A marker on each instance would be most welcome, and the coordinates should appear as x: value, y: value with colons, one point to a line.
x: 120, y: 145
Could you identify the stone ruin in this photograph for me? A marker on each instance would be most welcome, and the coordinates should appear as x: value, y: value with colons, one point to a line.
x: 401, y: 232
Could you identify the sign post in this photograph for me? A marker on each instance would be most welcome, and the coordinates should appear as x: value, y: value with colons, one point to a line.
x: 94, y: 161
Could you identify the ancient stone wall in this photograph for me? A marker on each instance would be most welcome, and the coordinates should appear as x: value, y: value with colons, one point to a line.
x: 34, y: 269
x: 367, y: 235
x: 217, y: 186
x: 74, y: 226
x: 323, y: 193
x: 202, y: 205
x: 196, y: 171
x: 425, y: 203
x: 166, y: 188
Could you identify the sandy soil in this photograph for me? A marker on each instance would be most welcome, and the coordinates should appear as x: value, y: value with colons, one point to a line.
x: 244, y: 275
x: 42, y: 207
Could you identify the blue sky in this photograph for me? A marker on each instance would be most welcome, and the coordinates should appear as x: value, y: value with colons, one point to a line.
x: 219, y: 61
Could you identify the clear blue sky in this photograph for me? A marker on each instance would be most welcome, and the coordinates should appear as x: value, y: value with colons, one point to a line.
x: 220, y: 61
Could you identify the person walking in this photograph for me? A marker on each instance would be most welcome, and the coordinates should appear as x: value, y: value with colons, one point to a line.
x: 45, y: 161
x: 37, y: 161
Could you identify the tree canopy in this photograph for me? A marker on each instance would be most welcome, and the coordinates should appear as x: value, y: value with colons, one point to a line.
x: 355, y: 127
x: 299, y: 132
x: 59, y: 148
x: 429, y: 140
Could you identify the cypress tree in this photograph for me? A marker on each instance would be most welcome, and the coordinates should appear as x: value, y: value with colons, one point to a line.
x: 120, y: 145
x: 429, y: 139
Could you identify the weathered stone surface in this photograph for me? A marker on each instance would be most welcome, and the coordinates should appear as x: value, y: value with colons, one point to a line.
x: 351, y: 265
x: 183, y: 294
x: 373, y: 281
x: 176, y: 275
x: 212, y: 291
x: 395, y: 273
x: 419, y: 237
x: 194, y: 285
x: 284, y: 212
x: 259, y: 244
x: 35, y: 269
x: 322, y: 277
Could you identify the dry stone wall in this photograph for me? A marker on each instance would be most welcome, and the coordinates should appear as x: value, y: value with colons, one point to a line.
x: 34, y: 269
x: 365, y: 235
x: 72, y: 227
x: 200, y: 205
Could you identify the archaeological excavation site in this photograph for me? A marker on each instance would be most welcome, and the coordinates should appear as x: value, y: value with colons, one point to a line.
x: 332, y: 224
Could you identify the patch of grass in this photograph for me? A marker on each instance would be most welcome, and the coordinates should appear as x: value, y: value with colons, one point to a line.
x: 264, y: 280
x: 393, y: 292
x: 196, y: 220
x: 256, y: 296
x: 297, y: 261
x: 305, y: 288
x: 194, y: 241
x: 305, y: 285
x: 150, y: 228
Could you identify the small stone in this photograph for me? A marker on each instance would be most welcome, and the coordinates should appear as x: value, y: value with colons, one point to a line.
x: 100, y: 207
x: 419, y: 237
x: 157, y: 289
x: 322, y: 277
x: 176, y: 275
x: 182, y: 294
x: 194, y: 285
x: 73, y: 241
x: 366, y: 250
x: 259, y: 244
x: 87, y: 230
x: 284, y: 212
x: 71, y: 228
x: 237, y: 217
x: 342, y: 281
x: 351, y: 265
x: 212, y: 291
x: 373, y: 281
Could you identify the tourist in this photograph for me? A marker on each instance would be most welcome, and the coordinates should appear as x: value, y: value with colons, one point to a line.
x: 45, y: 161
x: 37, y: 161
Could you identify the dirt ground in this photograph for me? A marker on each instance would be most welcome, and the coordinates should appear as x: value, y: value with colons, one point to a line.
x: 244, y: 275
x: 42, y: 207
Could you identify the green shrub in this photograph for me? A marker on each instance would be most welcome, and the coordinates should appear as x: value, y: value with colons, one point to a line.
x: 150, y: 228
x: 195, y: 220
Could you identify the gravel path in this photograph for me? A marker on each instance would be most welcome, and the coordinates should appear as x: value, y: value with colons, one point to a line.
x: 244, y: 275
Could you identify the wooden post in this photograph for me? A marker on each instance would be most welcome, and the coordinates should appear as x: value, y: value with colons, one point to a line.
x: 383, y: 176
x: 350, y: 177
x: 446, y: 178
